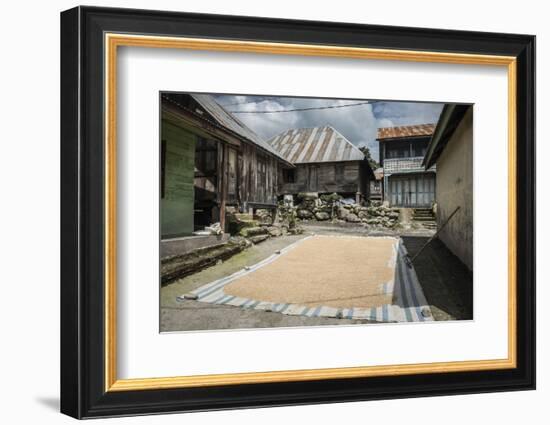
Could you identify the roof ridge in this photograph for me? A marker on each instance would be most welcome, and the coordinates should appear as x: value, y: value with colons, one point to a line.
x: 294, y: 137
x: 347, y: 140
x: 208, y: 102
x: 300, y: 129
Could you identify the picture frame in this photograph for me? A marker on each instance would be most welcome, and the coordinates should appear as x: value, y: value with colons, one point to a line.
x: 90, y: 39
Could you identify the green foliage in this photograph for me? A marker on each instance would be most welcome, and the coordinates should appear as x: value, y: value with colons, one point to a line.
x: 366, y: 151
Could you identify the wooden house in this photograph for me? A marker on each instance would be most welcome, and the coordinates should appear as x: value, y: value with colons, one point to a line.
x: 451, y: 149
x: 325, y: 162
x: 406, y: 182
x: 210, y: 160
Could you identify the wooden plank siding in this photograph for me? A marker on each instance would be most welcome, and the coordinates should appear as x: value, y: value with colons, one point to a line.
x: 347, y: 177
x: 177, y: 194
x: 259, y: 176
x: 251, y: 177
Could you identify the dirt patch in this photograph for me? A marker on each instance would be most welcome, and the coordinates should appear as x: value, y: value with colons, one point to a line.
x: 342, y: 272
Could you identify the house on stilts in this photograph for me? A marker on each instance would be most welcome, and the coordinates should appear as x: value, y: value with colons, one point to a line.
x: 324, y: 162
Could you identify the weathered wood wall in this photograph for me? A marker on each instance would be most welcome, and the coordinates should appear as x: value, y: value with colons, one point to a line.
x: 249, y: 175
x: 177, y: 195
x: 340, y: 177
x: 258, y: 176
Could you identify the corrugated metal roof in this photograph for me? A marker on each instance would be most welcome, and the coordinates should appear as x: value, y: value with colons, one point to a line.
x: 229, y: 121
x: 319, y: 144
x: 405, y: 131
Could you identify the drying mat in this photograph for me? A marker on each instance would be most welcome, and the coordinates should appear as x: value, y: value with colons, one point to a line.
x: 329, y: 276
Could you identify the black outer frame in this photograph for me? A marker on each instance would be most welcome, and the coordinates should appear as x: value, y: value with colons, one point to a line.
x: 82, y: 212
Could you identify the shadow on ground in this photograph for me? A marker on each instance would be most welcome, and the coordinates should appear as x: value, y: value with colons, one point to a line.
x: 49, y: 402
x: 447, y: 283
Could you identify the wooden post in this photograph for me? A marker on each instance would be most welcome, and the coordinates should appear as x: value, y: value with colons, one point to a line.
x: 223, y: 183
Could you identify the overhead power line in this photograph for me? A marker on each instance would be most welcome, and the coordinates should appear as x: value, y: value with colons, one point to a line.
x: 238, y: 103
x: 300, y: 109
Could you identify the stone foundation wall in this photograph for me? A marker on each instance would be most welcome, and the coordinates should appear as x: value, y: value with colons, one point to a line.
x: 311, y: 206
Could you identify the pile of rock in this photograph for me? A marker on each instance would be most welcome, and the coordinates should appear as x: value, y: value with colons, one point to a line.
x: 262, y: 226
x: 287, y: 217
x: 311, y: 206
x: 373, y: 216
x: 264, y: 216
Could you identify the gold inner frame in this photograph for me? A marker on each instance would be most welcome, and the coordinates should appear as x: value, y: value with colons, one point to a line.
x: 113, y: 41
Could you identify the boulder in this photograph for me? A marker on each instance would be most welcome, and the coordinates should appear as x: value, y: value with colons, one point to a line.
x: 247, y: 232
x: 304, y: 214
x: 264, y: 216
x: 352, y: 218
x: 342, y: 212
x: 322, y: 216
x: 258, y: 238
x: 296, y: 231
x: 275, y: 231
x: 373, y: 211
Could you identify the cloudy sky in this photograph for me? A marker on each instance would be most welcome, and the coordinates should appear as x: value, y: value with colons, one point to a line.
x: 357, y: 123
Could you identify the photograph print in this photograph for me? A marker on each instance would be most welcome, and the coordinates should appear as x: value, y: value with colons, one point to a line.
x: 294, y: 212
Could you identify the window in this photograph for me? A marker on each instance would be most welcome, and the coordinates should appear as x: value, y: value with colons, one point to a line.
x: 419, y: 150
x: 289, y: 176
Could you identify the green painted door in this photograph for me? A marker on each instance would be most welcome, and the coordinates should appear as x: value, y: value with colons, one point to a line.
x: 177, y: 180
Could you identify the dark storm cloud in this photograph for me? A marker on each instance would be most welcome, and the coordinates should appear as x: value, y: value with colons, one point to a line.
x: 358, y: 124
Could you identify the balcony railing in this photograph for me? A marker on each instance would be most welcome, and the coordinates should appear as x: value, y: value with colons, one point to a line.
x: 404, y: 165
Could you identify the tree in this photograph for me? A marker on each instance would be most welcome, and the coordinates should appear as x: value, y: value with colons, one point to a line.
x: 373, y: 164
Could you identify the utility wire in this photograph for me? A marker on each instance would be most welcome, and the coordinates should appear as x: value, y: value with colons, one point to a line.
x: 238, y: 103
x: 300, y: 109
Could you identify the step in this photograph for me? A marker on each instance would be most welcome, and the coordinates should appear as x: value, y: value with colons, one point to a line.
x: 253, y: 231
x: 423, y: 218
x: 244, y: 217
x: 258, y: 238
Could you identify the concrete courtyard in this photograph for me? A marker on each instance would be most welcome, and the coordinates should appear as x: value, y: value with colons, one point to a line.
x: 445, y: 282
